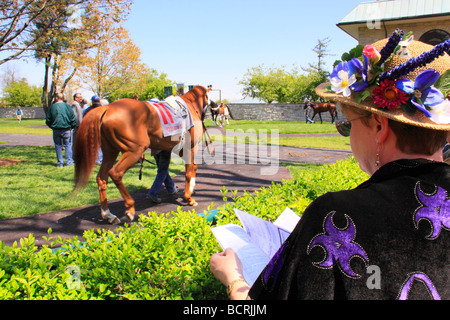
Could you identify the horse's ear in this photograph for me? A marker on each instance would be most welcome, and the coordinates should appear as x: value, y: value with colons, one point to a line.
x: 209, y: 88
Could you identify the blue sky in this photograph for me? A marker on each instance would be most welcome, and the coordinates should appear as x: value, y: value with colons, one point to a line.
x: 216, y: 42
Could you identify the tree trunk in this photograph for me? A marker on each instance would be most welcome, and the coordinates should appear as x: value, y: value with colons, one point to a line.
x: 44, y: 96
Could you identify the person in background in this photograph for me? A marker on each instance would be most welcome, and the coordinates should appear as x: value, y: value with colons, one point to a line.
x: 19, y: 114
x: 61, y: 119
x: 389, y: 238
x: 95, y: 104
x: 84, y: 106
x: 95, y: 100
x: 78, y: 110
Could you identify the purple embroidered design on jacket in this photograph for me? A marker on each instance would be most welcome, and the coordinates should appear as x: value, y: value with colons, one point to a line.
x: 435, y: 209
x: 339, y: 246
x: 423, y: 278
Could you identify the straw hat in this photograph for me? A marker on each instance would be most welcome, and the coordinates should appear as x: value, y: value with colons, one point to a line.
x: 386, y: 81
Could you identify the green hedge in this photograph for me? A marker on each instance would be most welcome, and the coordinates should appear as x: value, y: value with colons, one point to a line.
x: 160, y: 257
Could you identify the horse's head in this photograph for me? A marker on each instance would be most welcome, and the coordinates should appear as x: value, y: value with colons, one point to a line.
x: 212, y: 104
x: 307, y: 105
x: 198, y: 97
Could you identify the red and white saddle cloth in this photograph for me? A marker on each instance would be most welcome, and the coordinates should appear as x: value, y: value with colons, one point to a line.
x: 174, y: 115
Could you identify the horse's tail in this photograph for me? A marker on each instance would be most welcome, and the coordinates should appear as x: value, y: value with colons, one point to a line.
x: 87, y: 145
x: 335, y: 111
x: 229, y: 111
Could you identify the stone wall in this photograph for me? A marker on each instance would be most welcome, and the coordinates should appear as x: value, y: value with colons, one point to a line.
x: 271, y: 112
x: 33, y: 113
x: 240, y: 111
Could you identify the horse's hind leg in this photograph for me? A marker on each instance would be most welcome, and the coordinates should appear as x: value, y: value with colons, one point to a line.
x: 126, y: 161
x: 102, y: 181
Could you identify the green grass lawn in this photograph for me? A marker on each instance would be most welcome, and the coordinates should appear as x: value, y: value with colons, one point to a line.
x: 36, y: 185
x: 27, y: 126
x: 268, y: 128
x: 283, y: 127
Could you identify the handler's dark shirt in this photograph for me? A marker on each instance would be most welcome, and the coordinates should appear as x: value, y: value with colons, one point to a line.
x: 389, y: 238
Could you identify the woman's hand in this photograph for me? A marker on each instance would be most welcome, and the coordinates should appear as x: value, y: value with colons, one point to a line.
x: 226, y: 267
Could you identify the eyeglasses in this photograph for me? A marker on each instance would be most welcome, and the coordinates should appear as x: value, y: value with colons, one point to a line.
x: 344, y: 127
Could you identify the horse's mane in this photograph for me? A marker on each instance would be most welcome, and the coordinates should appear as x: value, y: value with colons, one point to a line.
x: 195, y: 93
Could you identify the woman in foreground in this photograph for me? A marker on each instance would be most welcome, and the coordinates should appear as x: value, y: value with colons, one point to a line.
x: 389, y: 238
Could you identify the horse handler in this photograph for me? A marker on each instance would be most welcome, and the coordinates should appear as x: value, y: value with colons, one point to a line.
x: 162, y: 158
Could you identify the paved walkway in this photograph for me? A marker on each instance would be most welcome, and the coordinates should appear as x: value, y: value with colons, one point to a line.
x: 236, y: 167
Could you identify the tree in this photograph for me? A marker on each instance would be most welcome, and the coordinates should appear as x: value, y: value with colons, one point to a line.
x: 20, y: 93
x: 64, y: 48
x: 115, y: 67
x: 287, y: 86
x: 321, y: 49
x: 268, y: 84
x: 19, y: 24
x: 277, y: 84
x: 153, y: 87
x: 317, y: 73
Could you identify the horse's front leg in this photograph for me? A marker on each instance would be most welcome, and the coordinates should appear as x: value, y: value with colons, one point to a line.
x: 191, y: 170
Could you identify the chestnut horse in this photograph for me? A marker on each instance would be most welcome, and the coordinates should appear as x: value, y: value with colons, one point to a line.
x: 130, y: 127
x: 319, y: 108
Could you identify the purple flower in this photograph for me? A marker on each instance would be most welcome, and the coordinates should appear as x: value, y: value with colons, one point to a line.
x: 390, y: 46
x: 360, y: 70
x: 417, y: 62
x: 423, y: 93
x: 342, y: 78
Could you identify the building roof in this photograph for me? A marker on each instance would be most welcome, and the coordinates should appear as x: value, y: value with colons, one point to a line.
x: 391, y: 10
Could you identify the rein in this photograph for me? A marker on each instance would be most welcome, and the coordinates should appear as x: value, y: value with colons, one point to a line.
x: 141, y: 161
x: 206, y: 134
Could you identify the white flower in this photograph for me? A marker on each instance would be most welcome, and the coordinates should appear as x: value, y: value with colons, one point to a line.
x: 342, y: 83
x: 440, y: 114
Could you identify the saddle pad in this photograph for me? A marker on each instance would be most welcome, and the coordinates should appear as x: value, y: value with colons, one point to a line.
x: 174, y: 115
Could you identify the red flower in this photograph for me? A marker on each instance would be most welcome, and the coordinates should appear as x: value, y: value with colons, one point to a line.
x: 387, y: 96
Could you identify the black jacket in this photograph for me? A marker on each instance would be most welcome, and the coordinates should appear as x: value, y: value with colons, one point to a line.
x: 388, y: 239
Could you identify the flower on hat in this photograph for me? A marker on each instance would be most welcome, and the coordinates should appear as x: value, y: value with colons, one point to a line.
x: 361, y: 70
x: 424, y: 94
x: 388, y: 96
x: 440, y: 113
x: 372, y: 53
x: 342, y: 78
x: 361, y: 74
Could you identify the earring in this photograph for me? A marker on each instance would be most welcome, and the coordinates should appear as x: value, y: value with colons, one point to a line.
x: 377, y: 162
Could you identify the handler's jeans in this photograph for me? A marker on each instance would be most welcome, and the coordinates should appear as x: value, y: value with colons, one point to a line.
x: 162, y: 176
x: 60, y: 138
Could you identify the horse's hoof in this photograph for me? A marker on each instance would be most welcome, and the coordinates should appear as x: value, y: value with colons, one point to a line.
x: 115, y: 221
x: 112, y: 219
x: 130, y: 216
